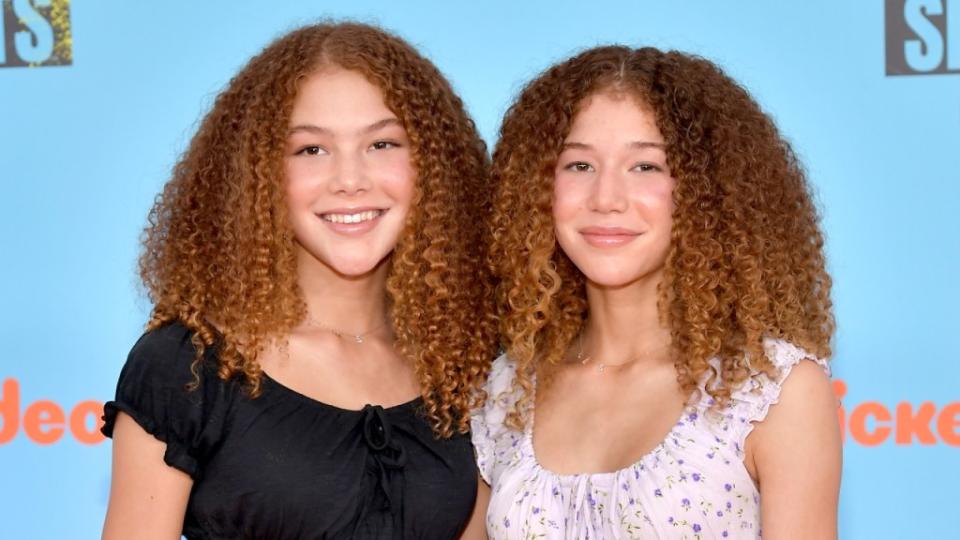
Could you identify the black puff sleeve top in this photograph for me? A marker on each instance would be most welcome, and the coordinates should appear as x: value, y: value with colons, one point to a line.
x: 286, y: 466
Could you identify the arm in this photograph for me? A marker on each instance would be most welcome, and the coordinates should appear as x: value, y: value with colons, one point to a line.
x: 148, y: 498
x: 795, y: 456
x: 476, y: 528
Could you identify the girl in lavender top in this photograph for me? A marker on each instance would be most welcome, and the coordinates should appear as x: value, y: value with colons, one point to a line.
x: 665, y: 312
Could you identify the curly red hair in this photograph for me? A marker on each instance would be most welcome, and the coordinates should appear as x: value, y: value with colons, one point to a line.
x: 746, y: 259
x: 218, y: 246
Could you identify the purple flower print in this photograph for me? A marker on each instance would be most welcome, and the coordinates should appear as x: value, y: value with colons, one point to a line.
x: 727, y: 487
x: 670, y: 520
x: 536, y: 509
x: 693, y: 417
x: 506, y: 522
x: 696, y: 527
x: 696, y: 477
x: 658, y: 493
x: 724, y: 534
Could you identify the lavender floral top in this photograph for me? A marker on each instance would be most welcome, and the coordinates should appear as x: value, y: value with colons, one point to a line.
x: 693, y: 485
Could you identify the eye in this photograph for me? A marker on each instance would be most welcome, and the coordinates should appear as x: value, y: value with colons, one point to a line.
x: 579, y: 166
x: 383, y: 145
x: 647, y: 167
x: 310, y: 151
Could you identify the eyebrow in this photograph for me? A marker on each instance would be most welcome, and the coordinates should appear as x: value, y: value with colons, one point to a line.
x: 634, y: 144
x: 312, y: 128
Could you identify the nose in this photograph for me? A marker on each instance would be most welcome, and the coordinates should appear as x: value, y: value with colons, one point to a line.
x: 350, y: 175
x: 608, y: 192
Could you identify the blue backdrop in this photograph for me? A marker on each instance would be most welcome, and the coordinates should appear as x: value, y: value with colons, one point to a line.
x: 98, y: 98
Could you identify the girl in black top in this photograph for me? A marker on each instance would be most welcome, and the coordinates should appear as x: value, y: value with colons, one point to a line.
x: 321, y: 317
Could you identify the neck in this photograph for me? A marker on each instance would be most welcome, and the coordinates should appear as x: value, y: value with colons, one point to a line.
x: 353, y: 304
x: 624, y: 324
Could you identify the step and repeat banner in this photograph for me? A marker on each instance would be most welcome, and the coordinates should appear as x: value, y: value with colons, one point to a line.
x: 97, y: 99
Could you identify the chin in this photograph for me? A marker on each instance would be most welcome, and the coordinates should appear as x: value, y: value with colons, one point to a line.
x: 609, y: 281
x: 606, y: 276
x: 355, y: 268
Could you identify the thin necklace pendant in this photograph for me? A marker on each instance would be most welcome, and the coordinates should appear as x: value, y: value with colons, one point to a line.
x: 357, y: 338
x: 600, y: 367
x: 585, y: 359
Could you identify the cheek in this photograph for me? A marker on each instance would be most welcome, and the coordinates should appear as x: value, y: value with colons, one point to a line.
x: 297, y: 184
x: 657, y: 199
x: 397, y: 179
x: 293, y: 189
x: 567, y: 200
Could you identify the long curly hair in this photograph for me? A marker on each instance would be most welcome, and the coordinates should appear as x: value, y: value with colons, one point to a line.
x: 218, y: 252
x: 746, y: 257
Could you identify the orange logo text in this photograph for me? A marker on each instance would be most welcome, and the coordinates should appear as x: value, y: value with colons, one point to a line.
x: 45, y: 421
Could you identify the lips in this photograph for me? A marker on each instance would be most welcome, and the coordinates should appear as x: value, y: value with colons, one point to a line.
x: 608, y: 236
x: 352, y: 221
x: 353, y: 216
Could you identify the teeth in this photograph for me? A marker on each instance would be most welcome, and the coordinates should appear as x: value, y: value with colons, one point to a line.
x: 352, y: 218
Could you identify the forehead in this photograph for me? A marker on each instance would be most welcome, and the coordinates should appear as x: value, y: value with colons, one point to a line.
x: 614, y: 116
x: 337, y: 94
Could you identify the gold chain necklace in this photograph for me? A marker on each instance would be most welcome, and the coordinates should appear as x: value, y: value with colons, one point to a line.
x: 585, y: 359
x: 357, y: 338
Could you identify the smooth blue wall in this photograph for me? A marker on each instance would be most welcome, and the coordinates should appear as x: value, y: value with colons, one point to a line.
x: 85, y: 147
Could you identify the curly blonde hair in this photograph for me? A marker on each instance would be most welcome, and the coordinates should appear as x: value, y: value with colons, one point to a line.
x: 218, y: 246
x: 746, y: 258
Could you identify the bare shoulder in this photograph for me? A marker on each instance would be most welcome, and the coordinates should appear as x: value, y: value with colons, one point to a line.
x: 804, y: 415
x: 794, y: 454
x: 807, y: 389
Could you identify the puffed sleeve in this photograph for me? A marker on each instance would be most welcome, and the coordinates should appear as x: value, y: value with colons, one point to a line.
x: 153, y: 390
x: 488, y: 428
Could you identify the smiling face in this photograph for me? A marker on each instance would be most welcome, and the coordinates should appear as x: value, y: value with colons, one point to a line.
x: 613, y: 203
x: 350, y: 177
